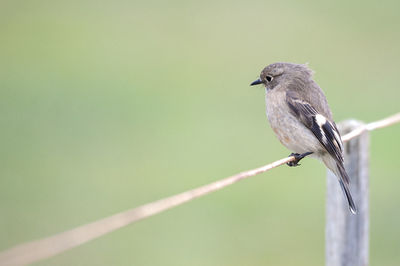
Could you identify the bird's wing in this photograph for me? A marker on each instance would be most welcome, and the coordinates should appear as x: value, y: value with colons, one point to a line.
x: 327, y: 134
x: 323, y: 129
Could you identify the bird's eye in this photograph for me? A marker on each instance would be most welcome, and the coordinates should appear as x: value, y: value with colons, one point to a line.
x: 269, y: 78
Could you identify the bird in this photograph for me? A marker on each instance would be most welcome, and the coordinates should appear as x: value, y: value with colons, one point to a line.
x: 300, y: 117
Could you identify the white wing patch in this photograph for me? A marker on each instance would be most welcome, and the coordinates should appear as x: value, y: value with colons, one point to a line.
x: 321, y: 120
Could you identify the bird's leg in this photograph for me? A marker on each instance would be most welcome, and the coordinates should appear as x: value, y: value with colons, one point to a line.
x: 297, y: 157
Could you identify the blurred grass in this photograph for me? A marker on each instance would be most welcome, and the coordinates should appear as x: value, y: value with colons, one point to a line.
x: 108, y: 105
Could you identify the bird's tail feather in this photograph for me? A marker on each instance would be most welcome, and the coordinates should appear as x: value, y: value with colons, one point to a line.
x: 344, y: 184
x: 338, y: 169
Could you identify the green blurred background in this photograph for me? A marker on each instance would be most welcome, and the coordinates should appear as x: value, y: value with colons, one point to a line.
x: 106, y: 105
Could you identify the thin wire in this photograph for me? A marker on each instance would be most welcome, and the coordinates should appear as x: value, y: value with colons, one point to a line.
x: 372, y: 126
x: 50, y: 246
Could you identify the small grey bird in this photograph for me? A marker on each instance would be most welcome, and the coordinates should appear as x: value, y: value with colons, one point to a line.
x: 301, y: 119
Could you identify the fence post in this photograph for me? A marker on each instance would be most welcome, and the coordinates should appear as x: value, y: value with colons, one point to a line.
x: 347, y: 235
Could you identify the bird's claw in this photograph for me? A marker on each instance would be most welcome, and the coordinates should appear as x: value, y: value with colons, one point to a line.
x: 297, y: 159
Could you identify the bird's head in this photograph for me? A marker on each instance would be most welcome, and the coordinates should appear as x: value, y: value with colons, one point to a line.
x: 277, y: 73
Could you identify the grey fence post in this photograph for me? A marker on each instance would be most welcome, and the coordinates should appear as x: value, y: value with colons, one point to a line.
x: 347, y: 235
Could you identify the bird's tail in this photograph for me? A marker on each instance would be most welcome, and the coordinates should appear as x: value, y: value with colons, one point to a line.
x: 345, y: 185
x: 343, y: 178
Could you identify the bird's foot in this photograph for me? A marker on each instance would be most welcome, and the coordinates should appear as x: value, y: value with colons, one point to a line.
x: 297, y: 159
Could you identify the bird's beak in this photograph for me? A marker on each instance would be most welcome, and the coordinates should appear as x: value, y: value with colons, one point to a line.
x: 256, y: 82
